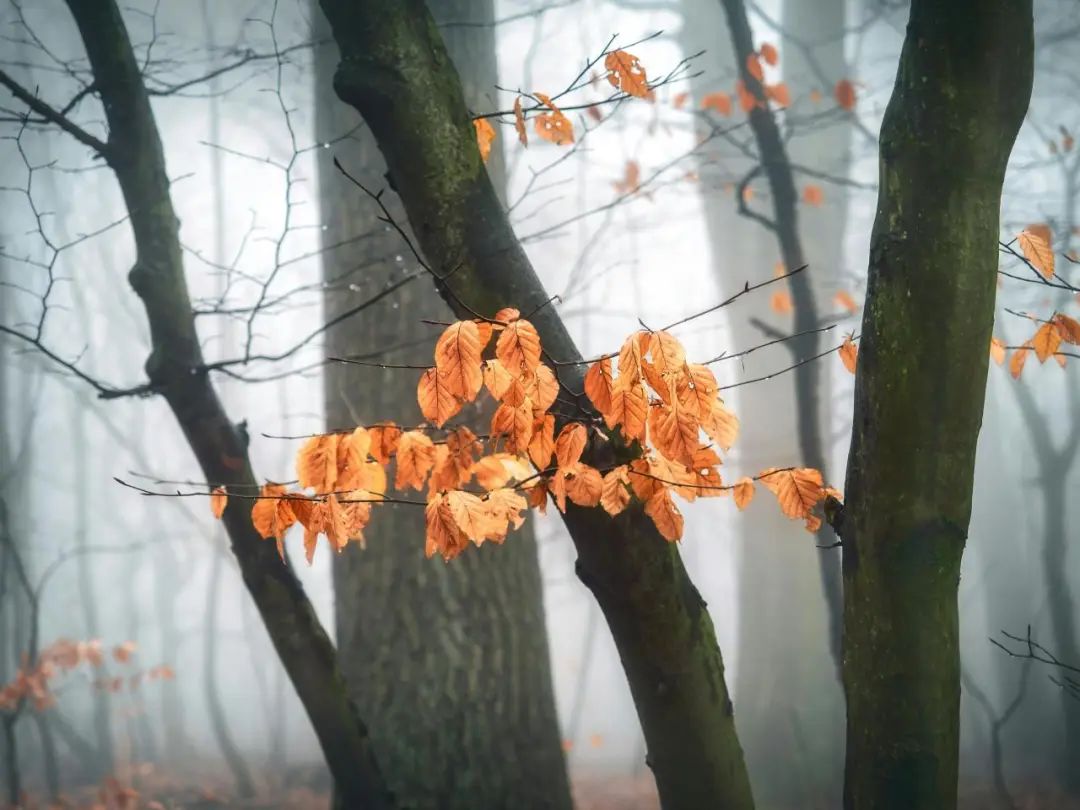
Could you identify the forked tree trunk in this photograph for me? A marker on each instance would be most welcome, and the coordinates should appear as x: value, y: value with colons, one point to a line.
x: 961, y: 93
x: 454, y: 674
x: 395, y: 70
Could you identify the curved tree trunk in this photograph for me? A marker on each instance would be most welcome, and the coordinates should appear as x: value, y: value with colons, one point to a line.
x: 454, y: 674
x: 396, y: 72
x: 176, y: 370
x: 961, y: 93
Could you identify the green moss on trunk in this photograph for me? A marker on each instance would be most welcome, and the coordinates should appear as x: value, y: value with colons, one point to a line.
x: 961, y: 93
x: 395, y: 71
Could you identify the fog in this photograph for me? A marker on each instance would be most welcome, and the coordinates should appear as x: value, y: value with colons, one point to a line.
x: 235, y: 90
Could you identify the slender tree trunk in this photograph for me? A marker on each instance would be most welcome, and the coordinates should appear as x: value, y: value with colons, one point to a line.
x: 395, y: 70
x: 961, y: 93
x: 1055, y: 463
x: 176, y: 369
x: 50, y: 766
x: 455, y: 673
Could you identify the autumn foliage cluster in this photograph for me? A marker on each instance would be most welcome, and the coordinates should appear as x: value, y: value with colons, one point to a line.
x: 34, y: 676
x: 660, y: 416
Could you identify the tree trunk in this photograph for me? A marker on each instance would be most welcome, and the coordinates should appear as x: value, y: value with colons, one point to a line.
x: 454, y: 674
x: 177, y: 370
x: 960, y: 95
x: 789, y: 641
x: 396, y: 72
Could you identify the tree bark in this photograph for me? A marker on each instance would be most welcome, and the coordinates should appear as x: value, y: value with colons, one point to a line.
x: 960, y: 95
x: 395, y: 70
x: 789, y: 691
x: 177, y: 370
x: 455, y: 673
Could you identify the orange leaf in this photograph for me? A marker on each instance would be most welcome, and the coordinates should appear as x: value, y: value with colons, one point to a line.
x: 272, y: 514
x: 598, y: 384
x: 844, y: 300
x: 721, y: 425
x: 437, y: 402
x: 1046, y: 341
x: 1035, y: 243
x: 747, y: 100
x: 570, y: 444
x: 997, y: 350
x: 781, y: 302
x: 779, y: 93
x: 666, y: 516
x: 553, y: 126
x: 219, y: 499
x: 542, y: 443
x: 626, y: 72
x: 1019, y: 358
x: 415, y: 458
x: 813, y: 195
x: 497, y: 379
x: 753, y: 67
x: 443, y: 534
x: 1068, y: 328
x: 614, y: 495
x: 518, y: 348
x: 668, y: 354
x: 674, y: 431
x: 316, y: 463
x: 769, y: 54
x: 844, y: 92
x: 123, y: 652
x: 519, y: 122
x: 680, y: 100
x: 384, y: 441
x: 743, y: 492
x: 719, y: 101
x: 849, y: 353
x: 485, y: 134
x: 584, y: 484
x: 628, y: 406
x: 798, y: 490
x: 457, y: 359
x: 631, y: 181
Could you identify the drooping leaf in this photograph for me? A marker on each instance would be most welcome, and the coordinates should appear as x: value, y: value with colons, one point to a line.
x: 485, y: 135
x: 1019, y: 358
x: 845, y: 301
x: 570, y: 444
x: 553, y: 126
x: 219, y: 499
x: 769, y: 54
x: 722, y: 426
x: 628, y: 410
x: 849, y: 353
x: 519, y: 123
x: 542, y: 443
x: 598, y: 384
x: 316, y: 463
x: 1035, y: 242
x: 812, y: 194
x: 457, y: 358
x: 518, y: 348
x: 844, y: 92
x: 584, y: 484
x: 669, y: 521
x: 437, y: 402
x: 415, y: 458
x: 997, y: 350
x: 1046, y: 341
x: 743, y: 492
x: 626, y: 72
x: 780, y: 302
x: 797, y: 489
x: 615, y: 492
x: 719, y: 101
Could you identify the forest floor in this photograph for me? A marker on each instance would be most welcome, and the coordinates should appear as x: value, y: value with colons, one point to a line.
x: 151, y: 788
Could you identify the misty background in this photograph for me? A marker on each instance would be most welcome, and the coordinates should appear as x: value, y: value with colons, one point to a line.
x: 248, y: 155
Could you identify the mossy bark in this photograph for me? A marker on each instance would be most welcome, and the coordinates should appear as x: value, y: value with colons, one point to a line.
x: 176, y: 369
x: 395, y: 70
x: 454, y: 675
x: 960, y: 95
